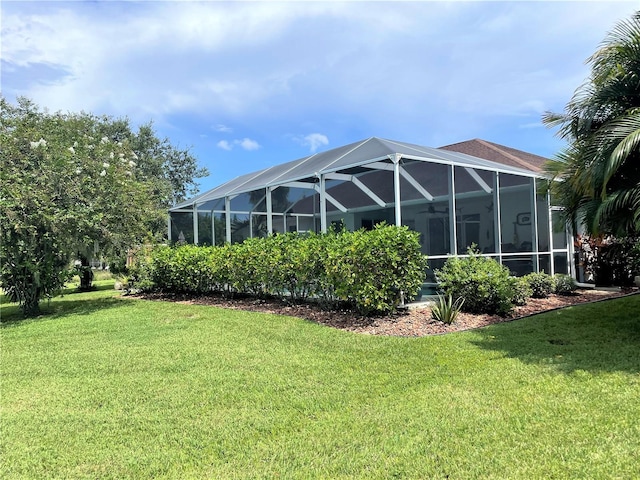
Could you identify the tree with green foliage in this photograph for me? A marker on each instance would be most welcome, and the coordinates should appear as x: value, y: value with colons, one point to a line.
x: 72, y: 182
x: 600, y: 169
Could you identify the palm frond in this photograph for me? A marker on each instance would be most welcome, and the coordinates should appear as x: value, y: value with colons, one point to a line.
x: 621, y: 209
x: 598, y: 173
x: 629, y: 128
x: 619, y: 46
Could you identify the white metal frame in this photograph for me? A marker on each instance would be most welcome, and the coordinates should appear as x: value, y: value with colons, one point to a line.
x: 392, y: 163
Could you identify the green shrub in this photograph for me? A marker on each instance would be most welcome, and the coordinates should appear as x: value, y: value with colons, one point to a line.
x: 634, y: 258
x: 196, y: 274
x: 374, y: 269
x: 542, y: 284
x: 184, y: 269
x: 521, y: 290
x: 368, y: 270
x: 484, y: 284
x: 286, y: 266
x: 446, y: 310
x: 220, y: 268
x: 140, y: 276
x: 246, y: 267
x: 320, y: 248
x: 565, y: 284
x: 301, y: 265
x: 617, y: 261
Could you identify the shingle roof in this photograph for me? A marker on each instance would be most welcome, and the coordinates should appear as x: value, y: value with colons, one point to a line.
x: 499, y: 154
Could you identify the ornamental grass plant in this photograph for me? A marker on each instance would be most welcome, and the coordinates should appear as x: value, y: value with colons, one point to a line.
x: 446, y: 309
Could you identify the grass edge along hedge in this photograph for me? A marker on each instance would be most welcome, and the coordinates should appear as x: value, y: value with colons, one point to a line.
x: 368, y: 270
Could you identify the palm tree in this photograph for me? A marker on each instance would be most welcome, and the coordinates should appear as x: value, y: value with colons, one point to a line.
x: 600, y: 169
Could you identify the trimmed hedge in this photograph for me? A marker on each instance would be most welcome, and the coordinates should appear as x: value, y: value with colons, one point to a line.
x: 373, y: 269
x: 369, y: 270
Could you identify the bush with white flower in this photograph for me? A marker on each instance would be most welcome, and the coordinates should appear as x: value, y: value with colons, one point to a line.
x: 59, y: 197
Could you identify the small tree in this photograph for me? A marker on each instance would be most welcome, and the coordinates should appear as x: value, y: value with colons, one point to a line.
x: 67, y: 182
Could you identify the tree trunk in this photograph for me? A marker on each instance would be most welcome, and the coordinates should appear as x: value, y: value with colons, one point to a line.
x: 85, y: 274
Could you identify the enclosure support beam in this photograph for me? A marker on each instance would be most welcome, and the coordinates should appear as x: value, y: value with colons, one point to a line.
x: 453, y: 231
x: 499, y: 217
x: 195, y: 223
x: 169, y: 227
x: 307, y: 185
x: 552, y: 262
x: 415, y: 184
x: 341, y: 207
x: 497, y: 229
x: 213, y: 228
x: 269, y: 212
x: 358, y: 183
x: 571, y: 253
x: 323, y: 204
x: 396, y: 189
x: 478, y: 179
x: 380, y: 166
x: 534, y: 224
x: 227, y: 217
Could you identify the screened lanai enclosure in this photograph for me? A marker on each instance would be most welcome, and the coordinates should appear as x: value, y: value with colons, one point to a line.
x: 452, y: 199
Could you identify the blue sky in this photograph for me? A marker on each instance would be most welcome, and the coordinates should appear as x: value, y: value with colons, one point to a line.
x: 247, y: 85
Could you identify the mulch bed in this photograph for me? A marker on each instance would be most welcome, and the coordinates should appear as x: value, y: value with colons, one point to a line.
x: 415, y: 322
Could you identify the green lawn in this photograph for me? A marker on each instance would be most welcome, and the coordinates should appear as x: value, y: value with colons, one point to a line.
x: 106, y: 387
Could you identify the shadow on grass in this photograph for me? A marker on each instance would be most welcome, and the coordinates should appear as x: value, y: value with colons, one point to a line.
x: 69, y: 304
x: 596, y: 337
x: 95, y: 288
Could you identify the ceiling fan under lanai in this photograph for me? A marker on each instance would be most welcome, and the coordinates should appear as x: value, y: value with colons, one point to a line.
x: 432, y: 210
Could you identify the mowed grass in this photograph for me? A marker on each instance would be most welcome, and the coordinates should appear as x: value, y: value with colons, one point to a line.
x: 107, y: 387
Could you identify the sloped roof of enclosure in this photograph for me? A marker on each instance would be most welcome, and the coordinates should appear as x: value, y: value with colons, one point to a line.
x: 348, y: 158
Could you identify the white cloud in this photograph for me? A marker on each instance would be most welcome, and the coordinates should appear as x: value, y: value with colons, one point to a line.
x: 223, y: 144
x: 251, y: 59
x: 248, y: 144
x: 314, y: 141
x: 245, y: 143
x: 429, y: 70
